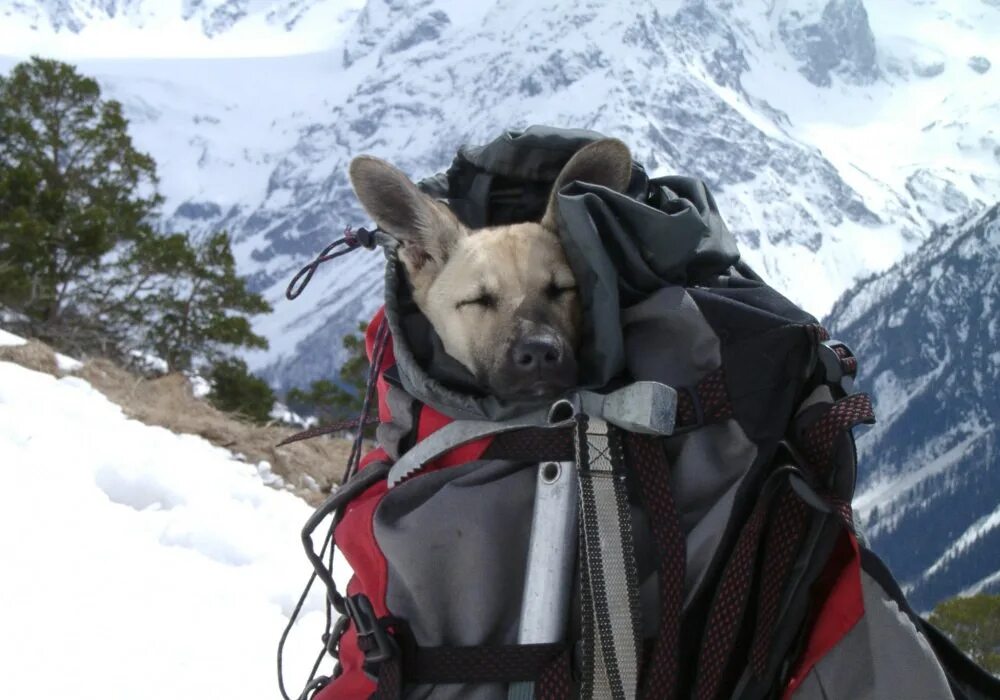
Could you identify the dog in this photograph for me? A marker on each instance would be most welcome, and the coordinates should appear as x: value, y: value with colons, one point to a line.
x: 502, y: 299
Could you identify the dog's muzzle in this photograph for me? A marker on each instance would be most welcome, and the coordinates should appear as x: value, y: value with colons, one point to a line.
x: 537, y: 366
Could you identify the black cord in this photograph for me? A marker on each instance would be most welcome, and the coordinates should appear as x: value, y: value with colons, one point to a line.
x: 351, y: 240
x: 335, y: 601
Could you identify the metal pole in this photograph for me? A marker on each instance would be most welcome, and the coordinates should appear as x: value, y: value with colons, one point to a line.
x: 552, y: 549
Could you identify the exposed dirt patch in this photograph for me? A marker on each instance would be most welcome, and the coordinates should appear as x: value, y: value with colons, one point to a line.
x: 169, y: 401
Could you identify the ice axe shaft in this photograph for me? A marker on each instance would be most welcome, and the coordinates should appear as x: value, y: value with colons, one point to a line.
x: 552, y: 548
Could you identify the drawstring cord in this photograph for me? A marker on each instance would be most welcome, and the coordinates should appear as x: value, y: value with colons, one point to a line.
x: 351, y: 240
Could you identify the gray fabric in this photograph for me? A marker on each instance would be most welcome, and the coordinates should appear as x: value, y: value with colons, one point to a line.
x: 536, y: 153
x: 456, y: 542
x: 708, y: 470
x: 391, y: 433
x: 884, y: 657
x: 667, y: 339
x: 454, y: 434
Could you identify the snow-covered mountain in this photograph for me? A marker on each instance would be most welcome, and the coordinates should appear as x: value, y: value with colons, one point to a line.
x: 835, y: 134
x: 927, y: 334
x: 129, y: 28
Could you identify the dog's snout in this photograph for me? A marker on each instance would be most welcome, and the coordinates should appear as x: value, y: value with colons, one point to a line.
x: 537, y: 353
x: 538, y: 364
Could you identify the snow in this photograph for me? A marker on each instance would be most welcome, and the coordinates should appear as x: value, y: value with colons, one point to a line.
x: 977, y: 530
x: 64, y: 363
x: 889, y: 489
x: 137, y: 562
x: 987, y: 584
x: 155, y: 29
x: 10, y: 339
x: 200, y: 386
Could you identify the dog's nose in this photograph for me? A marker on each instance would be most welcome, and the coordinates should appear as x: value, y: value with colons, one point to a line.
x: 536, y: 353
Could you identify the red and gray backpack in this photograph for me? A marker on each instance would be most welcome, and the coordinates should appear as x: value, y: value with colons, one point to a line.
x: 678, y: 527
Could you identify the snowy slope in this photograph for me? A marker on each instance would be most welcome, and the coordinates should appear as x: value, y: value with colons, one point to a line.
x: 138, y: 563
x: 927, y: 333
x: 835, y: 134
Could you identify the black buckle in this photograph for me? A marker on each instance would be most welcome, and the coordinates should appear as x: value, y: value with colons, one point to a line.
x: 839, y: 364
x: 373, y: 639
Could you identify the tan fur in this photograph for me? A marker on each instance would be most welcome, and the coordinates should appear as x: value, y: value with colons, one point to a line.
x: 520, y: 269
x: 516, y: 264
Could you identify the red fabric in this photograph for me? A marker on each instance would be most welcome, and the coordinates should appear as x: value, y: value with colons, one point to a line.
x: 388, y: 360
x: 431, y: 421
x: 356, y: 540
x: 355, y: 534
x: 839, y: 589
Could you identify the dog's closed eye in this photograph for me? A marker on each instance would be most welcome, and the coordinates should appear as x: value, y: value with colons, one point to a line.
x: 554, y: 290
x: 485, y: 299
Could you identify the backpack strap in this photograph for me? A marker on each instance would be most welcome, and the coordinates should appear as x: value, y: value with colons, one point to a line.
x: 706, y: 402
x: 647, y: 457
x: 774, y: 534
x: 609, y: 596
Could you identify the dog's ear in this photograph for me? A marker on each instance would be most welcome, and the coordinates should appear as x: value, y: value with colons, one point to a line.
x: 427, y: 231
x: 607, y: 162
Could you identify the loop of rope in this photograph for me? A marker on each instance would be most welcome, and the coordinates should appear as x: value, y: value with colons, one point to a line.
x: 351, y: 240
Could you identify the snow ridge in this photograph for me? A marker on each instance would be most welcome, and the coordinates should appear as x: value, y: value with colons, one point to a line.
x: 926, y: 334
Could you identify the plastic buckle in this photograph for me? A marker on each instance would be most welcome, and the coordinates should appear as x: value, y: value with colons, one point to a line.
x: 834, y: 356
x: 373, y: 639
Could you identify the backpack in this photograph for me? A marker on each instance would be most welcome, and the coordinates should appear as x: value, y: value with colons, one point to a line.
x: 680, y: 526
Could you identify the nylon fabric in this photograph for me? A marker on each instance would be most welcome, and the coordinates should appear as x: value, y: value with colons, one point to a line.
x: 473, y: 522
x: 883, y: 657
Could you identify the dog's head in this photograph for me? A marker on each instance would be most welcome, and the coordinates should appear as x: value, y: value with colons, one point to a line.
x: 502, y: 299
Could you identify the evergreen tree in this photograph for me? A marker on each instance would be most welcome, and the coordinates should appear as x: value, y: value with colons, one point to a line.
x: 332, y: 401
x: 236, y: 390
x: 72, y: 185
x: 973, y: 624
x: 79, y: 257
x: 201, y: 313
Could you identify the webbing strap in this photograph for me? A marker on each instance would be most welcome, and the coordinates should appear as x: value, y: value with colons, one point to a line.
x: 781, y: 545
x: 546, y: 663
x: 390, y: 681
x: 481, y: 664
x: 610, y: 591
x: 707, y: 402
x: 729, y: 602
x: 777, y: 526
x: 647, y: 457
x: 556, y: 681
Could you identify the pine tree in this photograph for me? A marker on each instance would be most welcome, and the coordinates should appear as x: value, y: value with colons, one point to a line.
x: 334, y: 401
x: 236, y: 390
x: 72, y: 185
x: 79, y: 255
x: 201, y: 314
x: 973, y: 624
